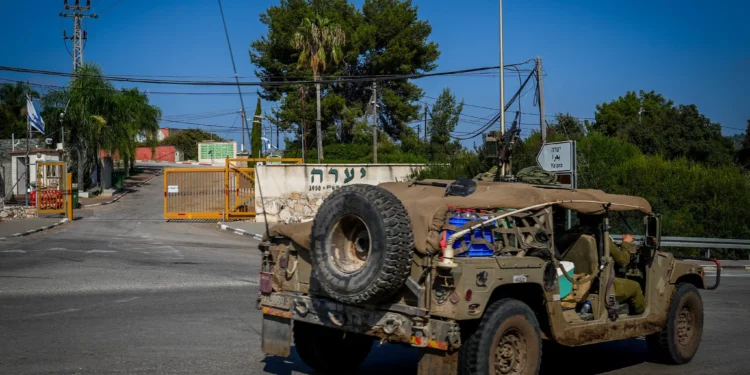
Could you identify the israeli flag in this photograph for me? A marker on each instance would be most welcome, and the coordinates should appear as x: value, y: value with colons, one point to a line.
x: 34, y: 119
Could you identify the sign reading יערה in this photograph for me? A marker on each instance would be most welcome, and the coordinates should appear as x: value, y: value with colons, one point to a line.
x: 556, y: 157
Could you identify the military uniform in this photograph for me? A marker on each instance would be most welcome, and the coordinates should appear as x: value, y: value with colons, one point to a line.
x: 626, y: 290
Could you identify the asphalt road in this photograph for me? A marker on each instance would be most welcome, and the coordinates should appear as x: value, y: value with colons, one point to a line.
x: 122, y: 291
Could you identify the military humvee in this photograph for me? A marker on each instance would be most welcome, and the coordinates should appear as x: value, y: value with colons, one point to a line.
x: 388, y: 263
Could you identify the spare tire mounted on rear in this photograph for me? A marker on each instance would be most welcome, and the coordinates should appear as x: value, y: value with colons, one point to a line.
x: 361, y: 244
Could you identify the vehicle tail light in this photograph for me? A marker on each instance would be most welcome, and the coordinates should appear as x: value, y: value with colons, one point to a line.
x: 266, y: 284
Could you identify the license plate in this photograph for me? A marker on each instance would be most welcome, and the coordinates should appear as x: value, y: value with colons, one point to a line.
x: 277, y: 300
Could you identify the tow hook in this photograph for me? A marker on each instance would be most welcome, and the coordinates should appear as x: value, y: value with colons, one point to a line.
x: 391, y: 325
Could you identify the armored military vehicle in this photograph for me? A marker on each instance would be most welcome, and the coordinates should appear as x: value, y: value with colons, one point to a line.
x: 476, y: 280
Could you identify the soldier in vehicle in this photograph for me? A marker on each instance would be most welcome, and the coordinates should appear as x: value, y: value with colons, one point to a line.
x: 626, y: 290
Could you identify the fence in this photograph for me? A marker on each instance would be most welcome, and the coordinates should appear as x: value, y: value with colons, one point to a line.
x: 701, y: 243
x: 213, y: 193
x: 51, y: 194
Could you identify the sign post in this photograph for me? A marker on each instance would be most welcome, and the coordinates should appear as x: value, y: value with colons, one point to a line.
x: 560, y: 159
x: 557, y: 157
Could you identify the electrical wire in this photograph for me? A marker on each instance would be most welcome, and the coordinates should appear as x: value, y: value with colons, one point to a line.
x: 261, y: 83
x: 489, y: 124
x: 111, y: 6
x: 233, y: 124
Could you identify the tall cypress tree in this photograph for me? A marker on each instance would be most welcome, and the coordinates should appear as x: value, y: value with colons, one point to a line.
x: 255, y: 142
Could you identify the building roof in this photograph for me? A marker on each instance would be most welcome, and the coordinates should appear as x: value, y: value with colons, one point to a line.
x: 35, y: 151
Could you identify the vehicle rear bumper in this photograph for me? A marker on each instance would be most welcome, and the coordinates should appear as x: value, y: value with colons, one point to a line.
x: 407, y: 325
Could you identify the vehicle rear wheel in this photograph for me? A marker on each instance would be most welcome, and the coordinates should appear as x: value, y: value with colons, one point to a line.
x: 328, y: 350
x: 678, y: 342
x: 508, y: 341
x: 362, y: 244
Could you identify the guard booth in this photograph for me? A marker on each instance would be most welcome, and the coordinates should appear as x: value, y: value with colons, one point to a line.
x: 51, y: 194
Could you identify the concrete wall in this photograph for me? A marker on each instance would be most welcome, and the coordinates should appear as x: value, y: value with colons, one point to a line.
x: 295, y: 192
x: 163, y: 153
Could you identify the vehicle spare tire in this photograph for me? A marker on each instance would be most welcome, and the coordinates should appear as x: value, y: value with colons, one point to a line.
x: 362, y: 244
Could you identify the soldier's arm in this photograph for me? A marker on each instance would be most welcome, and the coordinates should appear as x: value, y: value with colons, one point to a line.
x: 620, y: 255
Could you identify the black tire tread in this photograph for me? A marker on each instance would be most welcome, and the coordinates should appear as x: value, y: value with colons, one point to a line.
x: 467, y: 362
x: 399, y: 240
x: 658, y: 343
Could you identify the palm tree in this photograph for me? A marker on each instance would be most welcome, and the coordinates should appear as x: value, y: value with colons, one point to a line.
x: 313, y: 38
x: 135, y: 116
x: 99, y: 117
x: 13, y: 109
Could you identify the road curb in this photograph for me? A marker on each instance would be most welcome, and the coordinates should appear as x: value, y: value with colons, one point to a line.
x: 240, y: 232
x: 117, y: 198
x: 28, y: 232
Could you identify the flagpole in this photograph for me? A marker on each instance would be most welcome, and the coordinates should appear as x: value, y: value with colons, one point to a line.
x: 28, y: 149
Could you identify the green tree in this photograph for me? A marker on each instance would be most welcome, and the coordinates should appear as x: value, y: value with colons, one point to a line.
x: 13, y: 109
x: 256, y: 144
x: 384, y: 38
x: 567, y: 126
x: 444, y: 118
x: 135, y: 116
x: 91, y: 106
x: 657, y: 126
x: 313, y: 39
x: 187, y: 141
x: 98, y: 117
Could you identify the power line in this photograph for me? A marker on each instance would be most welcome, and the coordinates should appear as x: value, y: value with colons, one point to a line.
x: 111, y: 6
x: 261, y: 83
x: 149, y: 92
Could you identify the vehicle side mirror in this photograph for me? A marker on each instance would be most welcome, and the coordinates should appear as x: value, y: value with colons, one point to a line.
x: 653, y: 231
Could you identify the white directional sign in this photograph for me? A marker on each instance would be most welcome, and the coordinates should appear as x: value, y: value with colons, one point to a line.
x: 557, y: 157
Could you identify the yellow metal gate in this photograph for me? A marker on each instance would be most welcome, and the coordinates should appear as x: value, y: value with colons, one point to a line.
x: 240, y: 185
x: 51, y: 194
x: 213, y: 193
x: 194, y: 193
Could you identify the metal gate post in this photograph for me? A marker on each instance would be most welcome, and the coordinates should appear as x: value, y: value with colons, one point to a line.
x: 226, y: 188
x: 70, y: 195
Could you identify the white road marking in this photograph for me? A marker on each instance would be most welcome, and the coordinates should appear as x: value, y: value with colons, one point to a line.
x: 125, y: 300
x: 100, y: 251
x: 57, y: 312
x: 13, y: 251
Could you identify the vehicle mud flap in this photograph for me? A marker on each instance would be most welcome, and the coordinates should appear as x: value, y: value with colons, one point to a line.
x: 437, y: 362
x: 277, y: 336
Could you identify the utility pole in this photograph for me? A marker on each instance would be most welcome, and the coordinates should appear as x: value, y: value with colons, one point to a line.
x: 540, y: 86
x: 374, y: 122
x: 236, y: 77
x: 640, y: 110
x: 502, y: 83
x: 242, y: 113
x: 78, y: 34
x: 304, y: 133
x: 425, y: 122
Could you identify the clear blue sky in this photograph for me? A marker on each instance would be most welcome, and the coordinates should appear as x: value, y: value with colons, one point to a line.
x: 593, y: 51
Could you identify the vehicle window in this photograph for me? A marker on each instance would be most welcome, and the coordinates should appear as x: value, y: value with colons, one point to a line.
x: 627, y: 222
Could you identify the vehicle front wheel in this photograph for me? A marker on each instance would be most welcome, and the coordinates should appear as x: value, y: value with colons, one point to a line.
x: 507, y: 341
x: 328, y: 350
x: 678, y: 342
